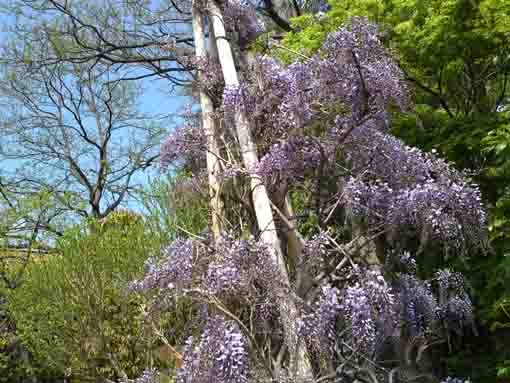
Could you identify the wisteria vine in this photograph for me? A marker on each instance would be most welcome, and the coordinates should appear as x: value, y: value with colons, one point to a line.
x: 311, y: 119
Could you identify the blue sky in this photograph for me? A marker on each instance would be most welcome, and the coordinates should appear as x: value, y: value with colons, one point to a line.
x: 157, y: 99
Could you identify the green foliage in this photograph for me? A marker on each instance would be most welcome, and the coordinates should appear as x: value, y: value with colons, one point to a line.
x: 175, y: 206
x: 73, y: 312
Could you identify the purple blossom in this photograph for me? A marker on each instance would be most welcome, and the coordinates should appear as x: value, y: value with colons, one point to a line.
x: 148, y: 376
x: 237, y: 266
x: 221, y: 355
x: 291, y: 159
x: 211, y: 77
x: 190, y: 363
x: 407, y: 188
x: 315, y: 248
x: 419, y: 305
x: 241, y: 18
x: 174, y: 269
x: 455, y: 308
x: 319, y: 325
x: 186, y: 145
x: 355, y: 67
x: 234, y: 98
x: 358, y: 308
x: 452, y: 213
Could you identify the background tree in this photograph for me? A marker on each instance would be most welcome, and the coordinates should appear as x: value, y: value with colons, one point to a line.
x: 71, y: 132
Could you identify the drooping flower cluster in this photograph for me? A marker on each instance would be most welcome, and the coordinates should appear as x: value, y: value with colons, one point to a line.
x: 175, y: 269
x: 241, y: 18
x: 400, y: 186
x: 275, y: 96
x: 211, y: 78
x: 220, y: 356
x: 148, y: 376
x: 234, y: 97
x: 423, y: 310
x: 359, y: 311
x: 290, y: 160
x: 419, y: 305
x: 451, y: 213
x: 353, y: 67
x: 237, y: 267
x: 368, y: 309
x: 406, y: 188
x: 234, y: 268
x: 455, y: 308
x: 315, y: 247
x: 185, y: 146
x: 319, y: 325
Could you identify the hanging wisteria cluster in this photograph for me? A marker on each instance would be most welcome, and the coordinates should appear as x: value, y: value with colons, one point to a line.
x: 233, y: 269
x: 318, y: 326
x: 368, y: 308
x: 211, y: 80
x: 242, y: 20
x: 220, y: 356
x: 311, y: 119
x: 403, y: 187
x: 186, y: 146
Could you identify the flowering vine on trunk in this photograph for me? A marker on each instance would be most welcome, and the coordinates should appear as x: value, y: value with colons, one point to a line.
x: 317, y: 128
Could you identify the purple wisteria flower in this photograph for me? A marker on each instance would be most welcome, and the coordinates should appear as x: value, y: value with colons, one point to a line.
x: 186, y: 146
x: 148, y: 376
x: 234, y: 98
x: 221, y: 355
x: 358, y: 308
x: 455, y: 307
x: 211, y: 77
x: 174, y: 269
x: 241, y: 18
x: 319, y: 325
x: 419, y: 305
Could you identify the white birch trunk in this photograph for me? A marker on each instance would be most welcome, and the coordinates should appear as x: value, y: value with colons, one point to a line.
x: 299, y: 363
x: 208, y: 124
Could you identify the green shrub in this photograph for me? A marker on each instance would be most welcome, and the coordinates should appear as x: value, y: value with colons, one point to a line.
x: 74, y: 312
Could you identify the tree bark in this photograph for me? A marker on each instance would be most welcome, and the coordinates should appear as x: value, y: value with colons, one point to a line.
x: 299, y: 363
x: 208, y: 124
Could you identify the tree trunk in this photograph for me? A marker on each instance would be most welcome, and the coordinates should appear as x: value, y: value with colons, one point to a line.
x: 299, y: 363
x: 208, y: 123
